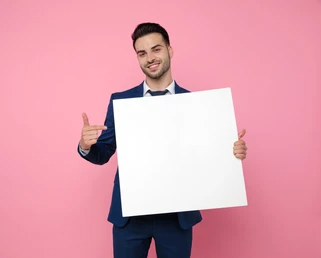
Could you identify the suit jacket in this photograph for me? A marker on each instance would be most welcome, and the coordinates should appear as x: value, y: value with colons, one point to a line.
x: 103, y: 150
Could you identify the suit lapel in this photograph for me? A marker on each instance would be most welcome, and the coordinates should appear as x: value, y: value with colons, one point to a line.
x: 139, y: 91
x: 179, y: 89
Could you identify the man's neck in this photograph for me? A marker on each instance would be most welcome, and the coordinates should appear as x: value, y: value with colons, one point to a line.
x: 159, y: 84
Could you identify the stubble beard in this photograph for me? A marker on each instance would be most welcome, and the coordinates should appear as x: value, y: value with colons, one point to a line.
x: 155, y: 76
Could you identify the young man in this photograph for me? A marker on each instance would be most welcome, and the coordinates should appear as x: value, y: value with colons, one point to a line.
x: 172, y: 232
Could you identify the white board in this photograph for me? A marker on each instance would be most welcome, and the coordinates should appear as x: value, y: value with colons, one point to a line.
x: 175, y: 153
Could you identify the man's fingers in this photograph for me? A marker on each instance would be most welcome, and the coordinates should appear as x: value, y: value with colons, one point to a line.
x: 240, y: 151
x: 91, y: 133
x: 88, y: 127
x: 239, y: 142
x: 88, y: 138
x: 241, y: 156
x: 242, y: 133
x: 240, y: 147
x: 95, y: 127
x: 85, y: 119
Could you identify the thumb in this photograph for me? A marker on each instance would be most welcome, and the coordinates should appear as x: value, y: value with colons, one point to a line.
x: 242, y: 133
x: 85, y: 119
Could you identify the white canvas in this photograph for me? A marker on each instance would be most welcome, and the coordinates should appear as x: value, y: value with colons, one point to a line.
x: 175, y: 153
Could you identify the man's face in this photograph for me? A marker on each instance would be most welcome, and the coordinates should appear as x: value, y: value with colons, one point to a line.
x: 154, y: 56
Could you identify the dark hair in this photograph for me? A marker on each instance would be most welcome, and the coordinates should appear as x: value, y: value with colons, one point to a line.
x: 148, y: 28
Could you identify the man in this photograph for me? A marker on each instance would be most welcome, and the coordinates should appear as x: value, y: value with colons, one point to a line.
x: 172, y: 232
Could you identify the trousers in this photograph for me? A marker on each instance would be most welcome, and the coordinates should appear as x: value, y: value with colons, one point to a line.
x: 134, y: 239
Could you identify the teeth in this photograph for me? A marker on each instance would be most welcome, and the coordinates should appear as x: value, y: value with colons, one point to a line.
x: 152, y: 66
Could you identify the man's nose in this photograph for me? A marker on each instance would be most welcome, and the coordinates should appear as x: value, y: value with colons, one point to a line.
x: 150, y: 58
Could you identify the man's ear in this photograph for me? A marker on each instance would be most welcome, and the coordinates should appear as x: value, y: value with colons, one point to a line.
x: 171, y: 51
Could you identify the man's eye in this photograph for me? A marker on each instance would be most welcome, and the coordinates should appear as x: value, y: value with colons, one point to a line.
x: 157, y: 49
x: 141, y: 54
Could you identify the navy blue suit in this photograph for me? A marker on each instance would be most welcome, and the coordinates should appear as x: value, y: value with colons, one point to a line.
x: 102, y: 151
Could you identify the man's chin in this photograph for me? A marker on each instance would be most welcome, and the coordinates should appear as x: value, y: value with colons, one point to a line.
x: 153, y: 76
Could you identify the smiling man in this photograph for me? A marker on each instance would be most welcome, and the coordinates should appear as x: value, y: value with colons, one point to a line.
x: 172, y: 232
x: 154, y: 55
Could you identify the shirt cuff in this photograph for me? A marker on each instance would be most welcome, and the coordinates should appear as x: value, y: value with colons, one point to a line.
x: 83, y: 152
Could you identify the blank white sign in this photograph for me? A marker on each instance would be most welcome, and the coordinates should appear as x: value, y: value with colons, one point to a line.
x: 175, y: 153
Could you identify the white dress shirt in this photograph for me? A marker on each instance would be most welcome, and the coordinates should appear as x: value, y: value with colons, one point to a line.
x: 170, y: 88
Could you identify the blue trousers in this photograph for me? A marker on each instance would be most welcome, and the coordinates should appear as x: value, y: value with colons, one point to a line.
x: 134, y: 239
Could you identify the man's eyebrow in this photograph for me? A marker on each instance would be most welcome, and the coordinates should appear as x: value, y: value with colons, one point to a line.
x: 158, y: 45
x: 143, y: 51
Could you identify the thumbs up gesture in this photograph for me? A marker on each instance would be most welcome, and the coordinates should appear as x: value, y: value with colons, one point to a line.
x: 89, y: 133
x: 239, y: 149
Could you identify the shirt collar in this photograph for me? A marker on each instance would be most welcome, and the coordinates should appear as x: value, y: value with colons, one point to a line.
x: 170, y: 88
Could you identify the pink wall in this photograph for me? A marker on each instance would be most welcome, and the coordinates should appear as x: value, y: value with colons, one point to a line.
x: 60, y: 58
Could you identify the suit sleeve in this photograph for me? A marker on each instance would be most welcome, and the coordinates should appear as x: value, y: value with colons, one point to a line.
x: 101, y: 152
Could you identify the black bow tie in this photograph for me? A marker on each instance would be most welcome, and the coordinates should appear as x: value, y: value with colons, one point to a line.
x: 158, y: 93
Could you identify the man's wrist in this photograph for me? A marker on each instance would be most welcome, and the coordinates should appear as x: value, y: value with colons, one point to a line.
x: 81, y: 146
x: 84, y: 152
x: 83, y: 149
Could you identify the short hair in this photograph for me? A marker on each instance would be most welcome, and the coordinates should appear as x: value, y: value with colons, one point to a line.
x: 146, y: 28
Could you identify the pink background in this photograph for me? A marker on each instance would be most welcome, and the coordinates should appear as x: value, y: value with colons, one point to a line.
x: 60, y: 58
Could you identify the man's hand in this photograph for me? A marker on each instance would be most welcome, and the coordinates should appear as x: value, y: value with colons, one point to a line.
x: 240, y: 148
x: 89, y: 133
